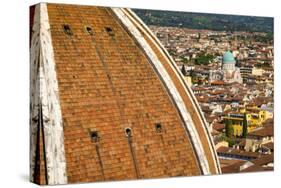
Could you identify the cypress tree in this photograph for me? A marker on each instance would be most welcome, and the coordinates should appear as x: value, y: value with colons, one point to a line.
x: 226, y: 122
x: 228, y: 128
x: 245, y: 126
x: 231, y: 128
x: 183, y: 70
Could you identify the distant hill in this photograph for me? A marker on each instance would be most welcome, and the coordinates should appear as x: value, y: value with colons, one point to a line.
x: 216, y: 22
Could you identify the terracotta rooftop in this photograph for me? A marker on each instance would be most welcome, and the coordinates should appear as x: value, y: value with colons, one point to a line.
x: 108, y: 105
x: 218, y: 82
x: 256, y: 168
x: 269, y: 145
x: 256, y: 165
x: 232, y: 168
x: 242, y: 143
x: 262, y: 131
x: 237, y: 152
x: 228, y: 162
x: 218, y: 126
x: 263, y: 160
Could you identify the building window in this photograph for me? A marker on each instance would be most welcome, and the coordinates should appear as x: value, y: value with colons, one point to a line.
x: 94, y: 136
x: 158, y: 127
x: 128, y: 132
x: 89, y: 30
x: 109, y: 31
x: 67, y: 30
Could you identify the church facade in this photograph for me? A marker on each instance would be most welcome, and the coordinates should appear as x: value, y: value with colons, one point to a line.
x: 228, y: 73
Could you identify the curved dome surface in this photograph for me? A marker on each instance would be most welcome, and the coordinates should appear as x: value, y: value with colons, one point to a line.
x: 115, y: 107
x: 228, y: 57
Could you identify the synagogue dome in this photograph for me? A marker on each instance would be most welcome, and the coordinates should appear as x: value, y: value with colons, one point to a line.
x: 228, y: 58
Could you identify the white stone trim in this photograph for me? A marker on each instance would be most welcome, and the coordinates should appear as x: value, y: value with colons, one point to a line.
x: 173, y: 65
x: 49, y: 98
x: 34, y: 89
x: 171, y: 87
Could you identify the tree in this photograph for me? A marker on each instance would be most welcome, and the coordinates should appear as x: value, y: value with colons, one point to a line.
x: 245, y: 126
x: 184, y: 60
x: 183, y: 70
x: 204, y: 59
x: 228, y: 127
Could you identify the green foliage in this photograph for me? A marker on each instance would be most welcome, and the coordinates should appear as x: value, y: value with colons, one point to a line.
x: 172, y: 52
x: 217, y: 22
x: 183, y: 70
x: 203, y: 59
x: 263, y: 65
x: 228, y: 128
x: 184, y: 60
x: 245, y: 126
x: 268, y: 38
x: 230, y: 140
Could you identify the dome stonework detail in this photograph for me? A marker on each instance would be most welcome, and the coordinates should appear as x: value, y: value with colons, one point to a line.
x: 109, y: 101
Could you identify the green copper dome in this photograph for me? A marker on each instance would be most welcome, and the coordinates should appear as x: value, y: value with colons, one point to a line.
x: 228, y: 57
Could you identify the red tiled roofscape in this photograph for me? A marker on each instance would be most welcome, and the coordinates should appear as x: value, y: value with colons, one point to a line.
x: 119, y: 119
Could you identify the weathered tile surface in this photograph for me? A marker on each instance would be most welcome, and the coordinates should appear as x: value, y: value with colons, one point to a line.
x: 106, y: 85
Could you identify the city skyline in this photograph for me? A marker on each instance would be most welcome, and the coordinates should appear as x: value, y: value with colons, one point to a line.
x: 231, y: 74
x: 114, y: 96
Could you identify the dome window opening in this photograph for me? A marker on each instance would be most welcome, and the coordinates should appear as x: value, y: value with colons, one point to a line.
x: 67, y: 30
x: 94, y: 136
x: 128, y: 132
x: 158, y: 128
x: 89, y: 30
x: 109, y: 31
